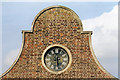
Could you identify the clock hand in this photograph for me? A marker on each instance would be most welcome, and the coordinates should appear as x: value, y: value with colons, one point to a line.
x: 57, y: 61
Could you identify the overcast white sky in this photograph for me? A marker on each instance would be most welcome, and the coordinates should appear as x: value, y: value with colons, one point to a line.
x: 105, y: 38
x: 101, y: 18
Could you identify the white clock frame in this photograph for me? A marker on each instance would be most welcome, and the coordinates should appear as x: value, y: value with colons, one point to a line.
x: 69, y: 54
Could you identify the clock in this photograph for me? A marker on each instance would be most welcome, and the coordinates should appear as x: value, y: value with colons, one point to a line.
x: 56, y: 58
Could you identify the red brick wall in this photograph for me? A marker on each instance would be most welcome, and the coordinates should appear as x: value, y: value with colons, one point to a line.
x: 58, y: 25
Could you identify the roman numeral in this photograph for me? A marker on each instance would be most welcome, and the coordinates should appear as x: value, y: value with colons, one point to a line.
x: 56, y: 68
x: 64, y: 63
x: 60, y: 67
x: 52, y: 66
x: 49, y: 55
x: 47, y: 59
x: 65, y: 59
x: 63, y: 55
x: 52, y: 52
x: 49, y: 63
x: 60, y: 52
x: 56, y: 50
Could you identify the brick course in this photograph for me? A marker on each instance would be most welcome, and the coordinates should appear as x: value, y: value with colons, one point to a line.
x: 56, y: 25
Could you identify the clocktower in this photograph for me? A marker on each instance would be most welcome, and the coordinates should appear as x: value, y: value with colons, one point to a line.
x: 56, y: 48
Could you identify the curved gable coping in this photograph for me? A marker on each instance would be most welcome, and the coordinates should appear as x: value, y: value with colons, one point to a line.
x: 32, y: 29
x: 96, y: 60
x: 87, y: 32
x: 23, y: 31
x: 52, y: 7
x: 16, y: 60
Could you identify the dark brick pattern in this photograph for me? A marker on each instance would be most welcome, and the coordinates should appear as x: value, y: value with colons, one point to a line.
x: 56, y: 26
x: 61, y: 79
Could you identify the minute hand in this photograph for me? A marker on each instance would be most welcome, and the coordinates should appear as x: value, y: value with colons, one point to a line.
x: 57, y: 61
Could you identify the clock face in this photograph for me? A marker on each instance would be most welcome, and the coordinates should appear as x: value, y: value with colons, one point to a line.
x: 56, y: 58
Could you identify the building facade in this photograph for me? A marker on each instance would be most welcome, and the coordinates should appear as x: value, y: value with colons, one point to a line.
x: 56, y: 48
